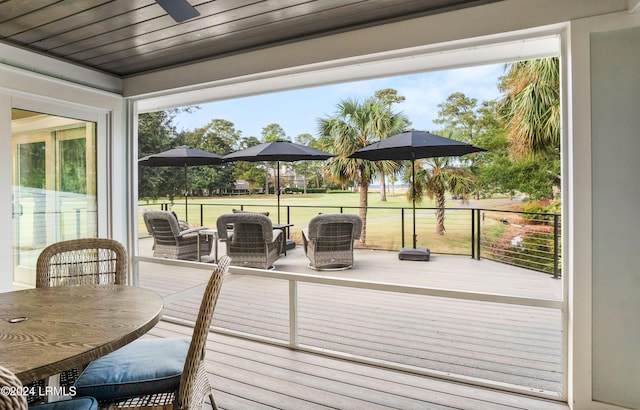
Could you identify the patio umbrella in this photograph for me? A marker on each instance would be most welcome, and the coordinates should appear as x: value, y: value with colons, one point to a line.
x: 182, y: 156
x: 278, y: 150
x: 414, y: 145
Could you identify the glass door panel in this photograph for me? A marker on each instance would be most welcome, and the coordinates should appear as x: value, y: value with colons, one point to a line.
x: 54, y: 185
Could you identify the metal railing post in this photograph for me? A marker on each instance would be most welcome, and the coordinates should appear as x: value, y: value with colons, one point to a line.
x: 201, y: 214
x: 402, y: 225
x: 473, y: 234
x: 556, y: 255
x: 293, y: 313
x: 479, y: 233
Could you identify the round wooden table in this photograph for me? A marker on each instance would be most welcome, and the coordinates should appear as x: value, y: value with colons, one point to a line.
x: 48, y: 330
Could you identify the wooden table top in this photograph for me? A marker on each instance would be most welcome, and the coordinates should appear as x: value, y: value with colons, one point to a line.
x: 68, y: 326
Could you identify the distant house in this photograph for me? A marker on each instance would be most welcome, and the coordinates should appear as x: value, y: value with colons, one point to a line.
x: 241, y: 187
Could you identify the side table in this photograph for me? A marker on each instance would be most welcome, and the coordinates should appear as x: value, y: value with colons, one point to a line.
x: 206, y: 232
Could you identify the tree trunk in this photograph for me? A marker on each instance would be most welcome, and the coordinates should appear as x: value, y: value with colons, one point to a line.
x: 266, y: 178
x: 440, y: 200
x: 383, y: 187
x: 364, y: 202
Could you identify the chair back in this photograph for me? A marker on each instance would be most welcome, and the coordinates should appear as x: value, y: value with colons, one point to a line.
x: 86, y: 261
x: 334, y: 231
x: 190, y: 390
x: 163, y: 225
x: 247, y: 227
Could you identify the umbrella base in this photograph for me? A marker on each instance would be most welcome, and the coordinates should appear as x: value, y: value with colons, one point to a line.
x: 414, y: 254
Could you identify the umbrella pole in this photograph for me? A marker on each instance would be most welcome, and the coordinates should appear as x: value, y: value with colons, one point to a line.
x: 415, y: 253
x: 186, y: 191
x: 278, y: 188
x: 413, y: 196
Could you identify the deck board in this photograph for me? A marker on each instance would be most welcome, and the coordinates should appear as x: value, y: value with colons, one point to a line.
x: 247, y: 374
x: 516, y: 345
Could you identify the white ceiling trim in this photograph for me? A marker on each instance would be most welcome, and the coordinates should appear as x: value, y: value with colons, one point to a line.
x: 479, y: 51
x: 52, y: 67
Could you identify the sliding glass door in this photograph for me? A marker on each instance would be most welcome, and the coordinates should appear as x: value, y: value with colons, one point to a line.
x: 54, y: 185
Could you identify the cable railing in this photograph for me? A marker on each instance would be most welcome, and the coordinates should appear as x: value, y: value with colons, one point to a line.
x: 530, y: 240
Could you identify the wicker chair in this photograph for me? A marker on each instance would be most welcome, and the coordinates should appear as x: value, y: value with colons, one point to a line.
x: 170, y: 241
x: 86, y: 261
x: 254, y: 243
x: 140, y: 367
x: 9, y: 400
x: 328, y: 241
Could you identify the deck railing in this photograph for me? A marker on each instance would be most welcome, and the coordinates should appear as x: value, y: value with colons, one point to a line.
x: 526, y: 239
x: 417, y: 305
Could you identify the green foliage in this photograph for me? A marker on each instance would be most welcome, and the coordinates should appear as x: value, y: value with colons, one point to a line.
x: 435, y: 179
x: 156, y: 133
x: 540, y: 207
x: 218, y: 136
x: 354, y: 125
x: 497, y: 171
x: 534, y: 253
x: 293, y: 190
x: 458, y: 113
x: 531, y: 105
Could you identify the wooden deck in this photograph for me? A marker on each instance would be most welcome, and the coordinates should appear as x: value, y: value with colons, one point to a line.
x: 509, y: 345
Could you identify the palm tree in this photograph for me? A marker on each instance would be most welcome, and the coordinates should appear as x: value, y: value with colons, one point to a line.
x: 531, y: 105
x: 386, y: 124
x: 351, y: 128
x: 437, y: 176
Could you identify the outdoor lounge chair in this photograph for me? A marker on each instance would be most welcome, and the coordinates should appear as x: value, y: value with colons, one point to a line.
x: 173, y: 242
x: 254, y: 243
x: 328, y: 241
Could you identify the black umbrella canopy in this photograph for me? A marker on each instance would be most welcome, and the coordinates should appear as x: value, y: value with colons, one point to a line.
x: 414, y: 145
x: 182, y: 156
x: 278, y: 150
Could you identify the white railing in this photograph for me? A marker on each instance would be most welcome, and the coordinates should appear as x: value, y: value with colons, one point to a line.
x: 295, y: 278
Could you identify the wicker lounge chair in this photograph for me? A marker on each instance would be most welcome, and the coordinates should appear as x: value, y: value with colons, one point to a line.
x: 328, y: 241
x: 254, y: 243
x: 158, y: 373
x: 170, y: 241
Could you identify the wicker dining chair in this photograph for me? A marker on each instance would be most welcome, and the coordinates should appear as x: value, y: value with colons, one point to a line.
x: 12, y: 397
x: 164, y: 373
x: 328, y: 241
x: 86, y: 261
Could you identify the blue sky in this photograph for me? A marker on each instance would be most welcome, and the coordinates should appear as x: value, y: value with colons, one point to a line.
x: 297, y: 111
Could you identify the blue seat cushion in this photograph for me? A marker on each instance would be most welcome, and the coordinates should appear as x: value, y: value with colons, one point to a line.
x: 81, y: 403
x: 144, y: 366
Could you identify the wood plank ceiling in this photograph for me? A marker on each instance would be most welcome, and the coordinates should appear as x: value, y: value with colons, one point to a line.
x: 127, y: 37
